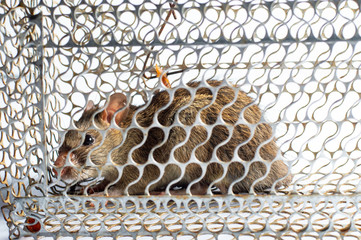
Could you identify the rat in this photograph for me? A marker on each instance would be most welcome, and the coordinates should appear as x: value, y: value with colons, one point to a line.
x: 136, y: 160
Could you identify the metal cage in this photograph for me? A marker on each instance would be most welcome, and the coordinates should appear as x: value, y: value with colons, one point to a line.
x: 296, y: 62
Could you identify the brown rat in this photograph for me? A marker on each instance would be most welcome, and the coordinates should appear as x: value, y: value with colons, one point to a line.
x: 128, y: 160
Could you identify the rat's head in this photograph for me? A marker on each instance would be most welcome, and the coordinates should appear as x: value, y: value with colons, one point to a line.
x: 87, y: 141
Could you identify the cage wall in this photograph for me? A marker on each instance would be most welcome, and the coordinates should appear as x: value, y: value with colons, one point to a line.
x: 249, y: 127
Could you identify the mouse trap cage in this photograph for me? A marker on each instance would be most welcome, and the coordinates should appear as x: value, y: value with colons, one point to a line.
x: 298, y: 61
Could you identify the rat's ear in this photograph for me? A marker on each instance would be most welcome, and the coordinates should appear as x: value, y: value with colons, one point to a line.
x: 90, y: 106
x: 116, y: 101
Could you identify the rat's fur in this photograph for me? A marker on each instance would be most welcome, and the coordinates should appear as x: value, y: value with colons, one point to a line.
x: 162, y: 150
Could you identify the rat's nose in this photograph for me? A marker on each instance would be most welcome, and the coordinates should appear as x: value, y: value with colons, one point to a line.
x: 60, y: 161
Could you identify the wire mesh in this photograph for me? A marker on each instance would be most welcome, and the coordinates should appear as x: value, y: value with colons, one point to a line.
x: 257, y: 107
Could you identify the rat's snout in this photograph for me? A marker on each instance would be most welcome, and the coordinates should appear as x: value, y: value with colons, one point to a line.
x: 60, y: 161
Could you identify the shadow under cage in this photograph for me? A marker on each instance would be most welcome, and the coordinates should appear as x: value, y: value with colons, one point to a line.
x: 180, y: 119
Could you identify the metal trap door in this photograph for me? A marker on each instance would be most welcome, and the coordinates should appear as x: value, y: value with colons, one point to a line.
x: 22, y: 120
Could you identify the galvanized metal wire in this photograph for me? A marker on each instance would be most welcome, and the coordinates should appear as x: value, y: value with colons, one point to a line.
x: 298, y: 60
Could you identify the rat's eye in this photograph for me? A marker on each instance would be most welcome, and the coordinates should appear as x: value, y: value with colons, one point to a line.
x: 88, y: 140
